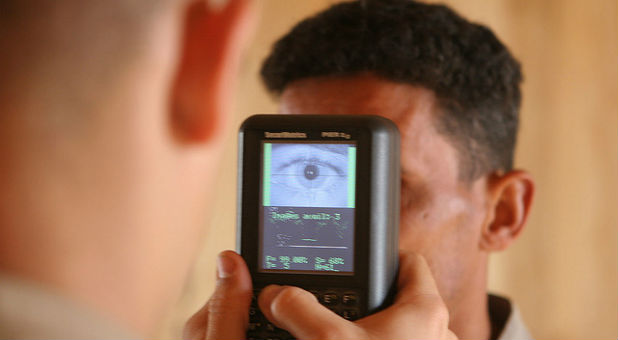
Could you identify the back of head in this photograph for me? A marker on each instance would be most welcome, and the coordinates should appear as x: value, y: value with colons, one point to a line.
x: 76, y: 52
x: 112, y: 122
x: 473, y: 75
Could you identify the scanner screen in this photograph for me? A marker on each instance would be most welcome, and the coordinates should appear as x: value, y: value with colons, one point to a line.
x: 307, y: 207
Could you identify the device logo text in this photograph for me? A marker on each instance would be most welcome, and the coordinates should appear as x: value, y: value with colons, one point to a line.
x: 335, y: 134
x: 285, y: 134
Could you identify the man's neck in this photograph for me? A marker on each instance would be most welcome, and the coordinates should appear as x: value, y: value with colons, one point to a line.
x: 472, y: 322
x: 468, y: 309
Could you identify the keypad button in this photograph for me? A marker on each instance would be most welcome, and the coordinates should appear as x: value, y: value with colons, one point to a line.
x: 350, y: 314
x: 349, y: 299
x: 282, y: 334
x: 330, y: 299
x: 253, y: 313
x: 344, y: 302
x: 254, y: 326
x: 269, y: 327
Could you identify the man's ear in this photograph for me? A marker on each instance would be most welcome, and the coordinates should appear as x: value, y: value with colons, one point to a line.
x: 510, y: 198
x: 211, y: 46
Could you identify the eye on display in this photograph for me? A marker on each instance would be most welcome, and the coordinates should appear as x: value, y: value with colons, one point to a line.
x: 310, y: 175
x: 308, y: 200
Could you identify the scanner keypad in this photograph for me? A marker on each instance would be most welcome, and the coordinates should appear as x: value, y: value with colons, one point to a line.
x: 345, y: 302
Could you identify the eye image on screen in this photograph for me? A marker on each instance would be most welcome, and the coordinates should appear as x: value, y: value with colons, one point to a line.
x: 310, y: 175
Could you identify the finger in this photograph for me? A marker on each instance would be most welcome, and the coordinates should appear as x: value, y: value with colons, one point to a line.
x: 228, y: 308
x: 195, y: 328
x: 226, y: 315
x: 415, y: 279
x: 300, y: 313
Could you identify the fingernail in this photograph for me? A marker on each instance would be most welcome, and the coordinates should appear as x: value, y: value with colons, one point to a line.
x: 225, y: 266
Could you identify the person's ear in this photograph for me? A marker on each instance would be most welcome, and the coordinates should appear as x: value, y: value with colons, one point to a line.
x: 210, y: 53
x: 510, y: 199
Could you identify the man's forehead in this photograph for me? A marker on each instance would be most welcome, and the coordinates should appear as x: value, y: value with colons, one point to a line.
x: 355, y: 94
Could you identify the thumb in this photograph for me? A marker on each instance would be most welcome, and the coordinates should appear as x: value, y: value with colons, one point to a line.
x: 226, y: 314
x: 299, y: 312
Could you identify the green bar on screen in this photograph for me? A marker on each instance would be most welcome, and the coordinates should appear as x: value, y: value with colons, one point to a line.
x: 351, y: 176
x: 266, y: 175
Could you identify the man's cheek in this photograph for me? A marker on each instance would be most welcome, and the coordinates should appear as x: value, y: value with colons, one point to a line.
x: 415, y: 197
x: 414, y: 234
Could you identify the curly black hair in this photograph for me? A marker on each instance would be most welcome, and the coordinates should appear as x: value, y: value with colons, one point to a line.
x: 474, y: 76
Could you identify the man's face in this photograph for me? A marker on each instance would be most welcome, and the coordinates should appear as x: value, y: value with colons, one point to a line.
x: 441, y: 216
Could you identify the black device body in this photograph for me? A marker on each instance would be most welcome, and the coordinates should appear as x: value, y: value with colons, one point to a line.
x: 318, y: 208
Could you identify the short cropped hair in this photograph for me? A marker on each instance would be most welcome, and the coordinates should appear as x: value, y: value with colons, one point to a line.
x: 474, y: 76
x: 80, y: 47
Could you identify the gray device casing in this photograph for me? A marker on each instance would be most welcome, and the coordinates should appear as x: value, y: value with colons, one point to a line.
x: 377, y: 197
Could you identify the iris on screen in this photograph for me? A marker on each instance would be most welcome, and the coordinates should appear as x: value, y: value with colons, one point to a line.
x: 309, y: 175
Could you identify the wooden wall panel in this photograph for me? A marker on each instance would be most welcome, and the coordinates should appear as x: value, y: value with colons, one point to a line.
x: 563, y: 270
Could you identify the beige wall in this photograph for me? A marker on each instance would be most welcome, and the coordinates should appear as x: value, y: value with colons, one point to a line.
x: 563, y: 270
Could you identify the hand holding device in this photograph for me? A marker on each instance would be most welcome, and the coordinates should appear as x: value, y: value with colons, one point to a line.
x: 418, y: 311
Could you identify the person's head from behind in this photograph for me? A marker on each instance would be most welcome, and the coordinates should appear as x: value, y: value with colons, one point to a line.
x: 112, y: 120
x: 454, y: 91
